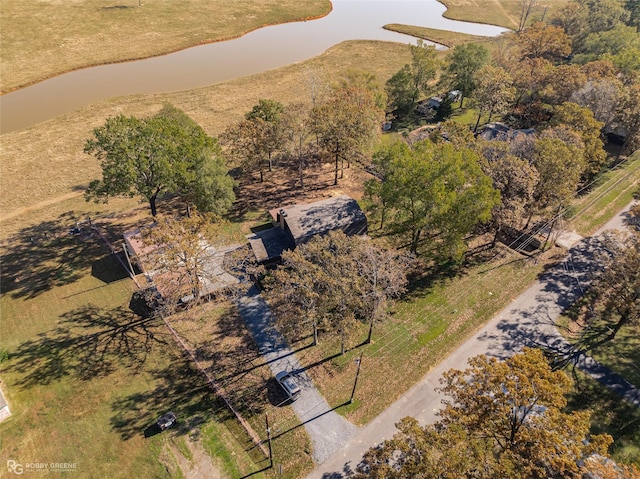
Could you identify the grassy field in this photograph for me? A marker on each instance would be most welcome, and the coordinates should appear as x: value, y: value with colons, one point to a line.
x: 505, y: 13
x: 610, y: 193
x: 86, y: 377
x: 41, y: 39
x: 26, y: 186
x: 443, y: 37
x: 70, y: 379
x: 82, y: 370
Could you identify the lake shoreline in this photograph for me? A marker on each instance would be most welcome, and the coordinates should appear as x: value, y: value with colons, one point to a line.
x: 166, y: 52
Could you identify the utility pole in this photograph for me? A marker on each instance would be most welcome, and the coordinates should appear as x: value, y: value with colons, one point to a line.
x: 551, y: 225
x: 266, y: 416
x: 355, y: 383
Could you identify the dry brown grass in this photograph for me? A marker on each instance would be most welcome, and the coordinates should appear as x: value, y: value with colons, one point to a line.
x: 505, y: 13
x: 443, y: 37
x: 41, y: 39
x: 45, y: 163
x: 217, y: 336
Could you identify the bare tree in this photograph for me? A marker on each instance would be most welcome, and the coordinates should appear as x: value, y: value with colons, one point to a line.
x: 525, y: 11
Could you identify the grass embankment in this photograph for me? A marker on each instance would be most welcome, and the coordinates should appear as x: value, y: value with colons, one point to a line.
x: 504, y: 13
x: 442, y: 37
x: 43, y: 39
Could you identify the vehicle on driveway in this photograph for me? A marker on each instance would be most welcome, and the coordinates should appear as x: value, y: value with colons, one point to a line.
x: 289, y: 385
x: 166, y: 420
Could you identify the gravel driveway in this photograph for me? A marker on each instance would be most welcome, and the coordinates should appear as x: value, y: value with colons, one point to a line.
x: 328, y: 430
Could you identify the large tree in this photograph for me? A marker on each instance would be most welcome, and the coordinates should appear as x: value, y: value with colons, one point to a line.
x: 602, y: 97
x: 167, y: 152
x: 542, y: 40
x: 628, y: 116
x: 424, y: 65
x: 581, y: 120
x: 401, y: 91
x: 273, y: 135
x: 463, y: 63
x: 494, y: 92
x: 561, y: 82
x: 501, y: 419
x: 347, y: 122
x: 185, y: 258
x: 526, y: 6
x: 515, y: 179
x: 614, y: 297
x: 432, y: 190
x: 559, y: 163
x: 297, y: 125
x: 135, y: 157
x: 333, y: 281
x: 201, y: 176
x: 407, y: 84
x: 253, y: 141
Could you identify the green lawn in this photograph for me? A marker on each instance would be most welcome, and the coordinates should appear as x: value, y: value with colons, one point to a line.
x: 610, y: 415
x: 611, y: 192
x: 86, y: 377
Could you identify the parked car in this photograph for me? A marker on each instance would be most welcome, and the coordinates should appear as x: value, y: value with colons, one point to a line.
x: 289, y: 384
x: 166, y: 420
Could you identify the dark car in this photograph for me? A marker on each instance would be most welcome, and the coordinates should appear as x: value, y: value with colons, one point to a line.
x: 289, y: 384
x: 167, y: 420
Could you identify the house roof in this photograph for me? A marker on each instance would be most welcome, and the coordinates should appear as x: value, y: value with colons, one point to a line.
x: 296, y: 224
x: 500, y: 131
x: 213, y: 277
x: 270, y: 243
x: 307, y: 220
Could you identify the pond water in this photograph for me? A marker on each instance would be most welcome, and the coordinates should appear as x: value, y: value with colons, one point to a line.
x: 261, y: 50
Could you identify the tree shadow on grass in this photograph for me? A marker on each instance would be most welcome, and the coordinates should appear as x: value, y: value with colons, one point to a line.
x: 44, y: 256
x: 184, y: 390
x: 58, y: 252
x: 179, y: 388
x: 610, y: 415
x: 55, y: 253
x: 88, y: 342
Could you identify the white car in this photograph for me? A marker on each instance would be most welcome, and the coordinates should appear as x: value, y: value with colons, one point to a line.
x: 289, y: 384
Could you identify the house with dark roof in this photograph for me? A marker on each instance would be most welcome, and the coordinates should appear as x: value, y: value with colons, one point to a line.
x: 502, y: 132
x: 296, y: 224
x: 147, y: 258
